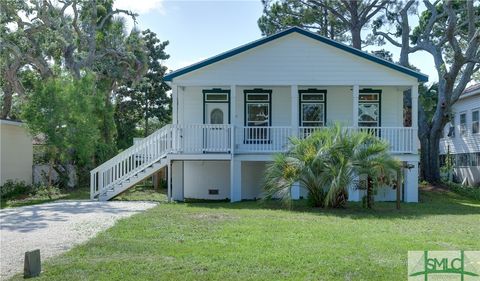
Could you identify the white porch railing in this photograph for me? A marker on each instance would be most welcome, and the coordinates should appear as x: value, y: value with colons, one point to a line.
x: 276, y: 139
x: 201, y: 138
x: 262, y: 139
x: 401, y: 139
x: 135, y: 158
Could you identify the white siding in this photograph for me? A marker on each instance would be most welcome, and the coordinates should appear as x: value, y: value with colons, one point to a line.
x: 252, y: 179
x: 200, y: 176
x: 295, y: 59
x: 467, y: 143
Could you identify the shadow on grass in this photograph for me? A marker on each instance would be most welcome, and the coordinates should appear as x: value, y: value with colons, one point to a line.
x: 431, y: 203
x: 143, y: 193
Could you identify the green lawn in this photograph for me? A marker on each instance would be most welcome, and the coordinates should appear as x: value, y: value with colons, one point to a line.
x: 254, y: 241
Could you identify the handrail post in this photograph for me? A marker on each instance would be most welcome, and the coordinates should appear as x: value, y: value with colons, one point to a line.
x: 92, y: 184
x: 232, y: 139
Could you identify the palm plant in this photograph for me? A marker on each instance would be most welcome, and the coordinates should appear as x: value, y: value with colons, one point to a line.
x: 327, y: 163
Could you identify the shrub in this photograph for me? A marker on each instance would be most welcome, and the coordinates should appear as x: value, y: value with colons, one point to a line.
x: 44, y: 191
x: 468, y: 191
x: 11, y: 189
x: 327, y: 163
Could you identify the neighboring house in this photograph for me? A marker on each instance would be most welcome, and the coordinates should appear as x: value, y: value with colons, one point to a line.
x: 16, y: 152
x: 232, y: 112
x: 462, y: 137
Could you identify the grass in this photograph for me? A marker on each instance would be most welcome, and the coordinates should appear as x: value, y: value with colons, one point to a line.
x: 264, y: 241
x: 141, y: 192
x: 144, y: 192
x: 27, y: 200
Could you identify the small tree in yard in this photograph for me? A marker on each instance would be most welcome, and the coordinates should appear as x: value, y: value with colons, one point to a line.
x: 62, y: 109
x: 327, y: 163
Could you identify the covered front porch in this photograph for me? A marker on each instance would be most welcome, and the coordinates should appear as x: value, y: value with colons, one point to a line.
x: 260, y: 119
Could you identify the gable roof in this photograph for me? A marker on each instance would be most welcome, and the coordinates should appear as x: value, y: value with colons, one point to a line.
x: 420, y: 76
x: 471, y: 91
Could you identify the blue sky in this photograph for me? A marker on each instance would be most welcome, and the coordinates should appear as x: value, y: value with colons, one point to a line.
x: 200, y: 29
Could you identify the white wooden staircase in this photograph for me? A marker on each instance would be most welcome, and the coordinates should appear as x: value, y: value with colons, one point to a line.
x: 132, y: 165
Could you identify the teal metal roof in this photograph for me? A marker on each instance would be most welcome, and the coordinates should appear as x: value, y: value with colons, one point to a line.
x: 420, y: 76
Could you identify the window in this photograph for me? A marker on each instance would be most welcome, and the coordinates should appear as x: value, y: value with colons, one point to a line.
x: 369, y: 108
x: 475, y: 121
x: 312, y: 108
x: 216, y: 116
x: 257, y: 114
x: 466, y: 159
x: 463, y: 124
x: 451, y: 129
x: 462, y: 160
x: 209, y: 97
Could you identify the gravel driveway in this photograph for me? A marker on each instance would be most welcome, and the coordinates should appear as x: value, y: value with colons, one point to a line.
x: 55, y: 228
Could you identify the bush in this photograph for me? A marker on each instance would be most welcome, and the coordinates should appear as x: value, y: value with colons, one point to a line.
x: 11, y: 189
x: 327, y: 163
x: 46, y: 191
x: 468, y: 191
x: 15, y: 189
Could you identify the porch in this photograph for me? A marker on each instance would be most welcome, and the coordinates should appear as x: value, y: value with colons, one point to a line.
x: 231, y: 139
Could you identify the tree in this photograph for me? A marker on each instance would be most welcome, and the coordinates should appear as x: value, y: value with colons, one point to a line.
x: 146, y: 101
x: 62, y: 110
x: 279, y: 15
x: 78, y: 37
x: 327, y: 163
x: 450, y: 32
x: 328, y: 18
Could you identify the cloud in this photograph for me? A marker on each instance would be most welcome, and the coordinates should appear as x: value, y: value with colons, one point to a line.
x: 140, y: 6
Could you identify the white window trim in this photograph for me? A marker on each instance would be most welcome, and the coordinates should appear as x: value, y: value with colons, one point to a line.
x: 478, y: 121
x: 321, y: 102
x: 463, y: 132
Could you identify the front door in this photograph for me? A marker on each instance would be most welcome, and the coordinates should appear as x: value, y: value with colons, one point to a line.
x: 216, y: 138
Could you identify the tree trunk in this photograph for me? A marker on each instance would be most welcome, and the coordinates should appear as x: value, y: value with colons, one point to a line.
x: 356, y: 37
x: 369, y: 193
x: 145, y: 132
x: 7, y: 102
x: 431, y: 163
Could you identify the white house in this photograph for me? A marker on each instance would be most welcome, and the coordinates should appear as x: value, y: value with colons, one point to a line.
x: 462, y: 137
x: 233, y: 111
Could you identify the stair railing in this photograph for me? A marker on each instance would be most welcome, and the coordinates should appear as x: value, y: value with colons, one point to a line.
x: 131, y: 161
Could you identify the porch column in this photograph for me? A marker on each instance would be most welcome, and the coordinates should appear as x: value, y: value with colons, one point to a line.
x: 178, y: 180
x: 233, y: 114
x: 411, y: 182
x: 169, y: 181
x: 356, y: 90
x: 174, y: 104
x: 414, y: 96
x: 295, y: 190
x: 235, y: 180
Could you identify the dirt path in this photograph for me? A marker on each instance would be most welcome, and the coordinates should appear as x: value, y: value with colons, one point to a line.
x: 55, y: 228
